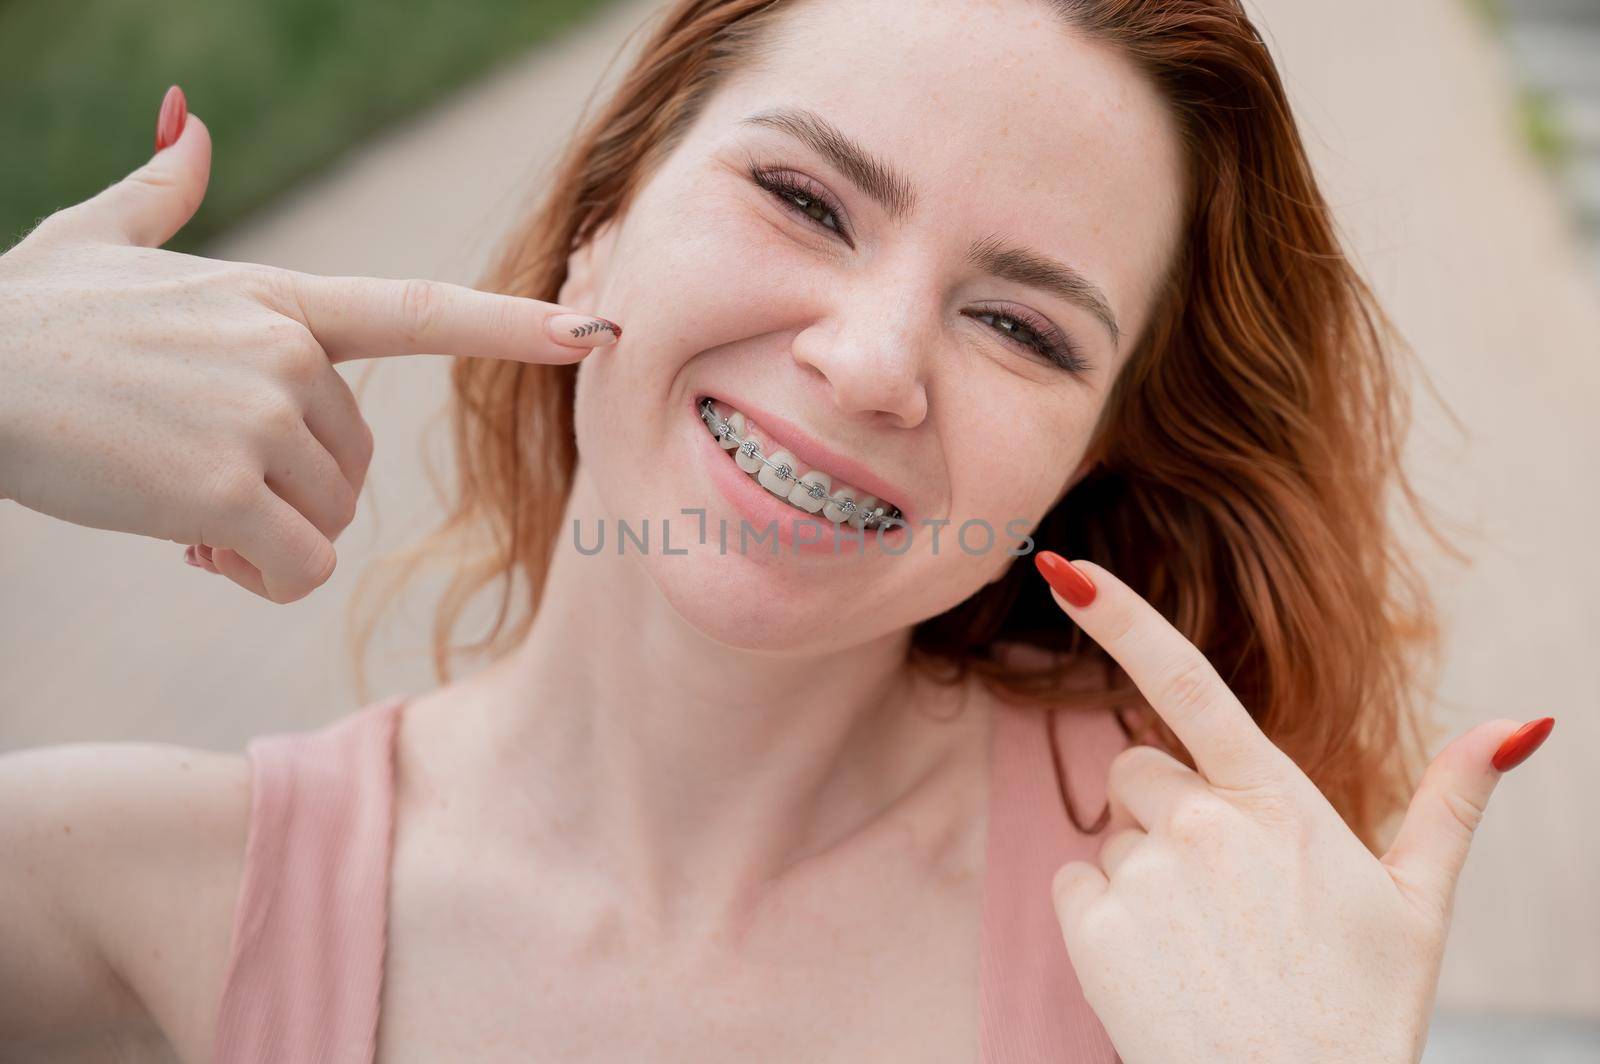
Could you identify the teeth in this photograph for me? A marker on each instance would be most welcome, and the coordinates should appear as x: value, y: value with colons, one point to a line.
x: 748, y: 456
x: 736, y: 427
x: 864, y: 506
x: 802, y: 494
x: 812, y: 491
x: 832, y: 511
x: 777, y: 480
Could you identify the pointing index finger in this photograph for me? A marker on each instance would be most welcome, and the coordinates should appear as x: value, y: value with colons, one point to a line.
x: 1180, y: 684
x: 373, y: 317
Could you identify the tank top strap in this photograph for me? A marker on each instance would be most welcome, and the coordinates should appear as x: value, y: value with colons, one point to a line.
x: 305, y: 964
x: 1031, y: 1005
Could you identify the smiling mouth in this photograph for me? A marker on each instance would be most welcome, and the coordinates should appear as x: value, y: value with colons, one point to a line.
x: 809, y: 491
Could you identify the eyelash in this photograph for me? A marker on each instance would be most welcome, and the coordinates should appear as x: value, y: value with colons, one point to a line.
x: 1053, y: 344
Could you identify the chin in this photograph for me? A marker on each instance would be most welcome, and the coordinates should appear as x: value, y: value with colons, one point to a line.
x: 760, y: 602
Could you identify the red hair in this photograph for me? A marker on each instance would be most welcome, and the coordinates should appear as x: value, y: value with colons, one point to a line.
x: 1246, y: 451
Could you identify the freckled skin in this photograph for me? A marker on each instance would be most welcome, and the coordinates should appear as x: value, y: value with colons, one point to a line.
x: 868, y: 346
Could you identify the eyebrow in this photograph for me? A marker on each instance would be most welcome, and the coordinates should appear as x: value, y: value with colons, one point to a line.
x: 892, y: 191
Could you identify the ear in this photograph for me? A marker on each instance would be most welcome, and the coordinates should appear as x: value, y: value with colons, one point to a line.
x: 587, y: 268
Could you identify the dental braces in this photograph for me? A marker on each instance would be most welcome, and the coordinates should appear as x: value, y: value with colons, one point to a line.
x: 751, y: 448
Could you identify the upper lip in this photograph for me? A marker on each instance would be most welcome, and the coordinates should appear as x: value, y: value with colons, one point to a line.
x: 814, y: 454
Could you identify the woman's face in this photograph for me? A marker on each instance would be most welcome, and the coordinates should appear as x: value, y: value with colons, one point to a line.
x: 965, y: 215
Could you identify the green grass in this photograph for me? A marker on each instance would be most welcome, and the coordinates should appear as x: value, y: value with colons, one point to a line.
x: 284, y: 85
x: 1538, y: 117
x: 1492, y: 12
x: 1542, y: 128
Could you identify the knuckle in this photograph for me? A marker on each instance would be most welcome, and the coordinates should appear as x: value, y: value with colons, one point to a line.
x: 420, y: 302
x: 158, y: 179
x: 287, y: 335
x: 1285, y: 809
x: 345, y: 508
x: 1126, y: 765
x: 1132, y: 757
x: 310, y: 572
x: 295, y: 356
x: 318, y: 565
x: 53, y: 228
x: 1464, y: 811
x: 1141, y: 864
x: 270, y: 286
x: 278, y: 416
x: 1197, y: 819
x: 1187, y: 687
x: 1119, y: 846
x: 297, y: 367
x: 233, y: 491
x: 1121, y: 626
x: 1100, y: 922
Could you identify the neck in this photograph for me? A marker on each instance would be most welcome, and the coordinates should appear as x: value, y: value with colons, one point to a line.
x: 692, y: 773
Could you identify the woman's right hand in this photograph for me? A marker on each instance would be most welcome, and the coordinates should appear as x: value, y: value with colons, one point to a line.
x: 193, y: 400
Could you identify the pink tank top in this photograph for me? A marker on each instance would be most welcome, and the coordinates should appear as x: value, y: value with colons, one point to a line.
x: 305, y: 966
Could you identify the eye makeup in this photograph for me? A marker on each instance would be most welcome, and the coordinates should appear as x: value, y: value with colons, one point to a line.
x: 807, y: 200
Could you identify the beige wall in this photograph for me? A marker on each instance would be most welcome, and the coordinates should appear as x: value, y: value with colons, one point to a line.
x: 1405, y: 107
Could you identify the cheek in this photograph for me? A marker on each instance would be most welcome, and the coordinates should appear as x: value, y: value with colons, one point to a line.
x: 711, y: 266
x: 1011, y: 463
x: 1009, y: 503
x: 693, y: 270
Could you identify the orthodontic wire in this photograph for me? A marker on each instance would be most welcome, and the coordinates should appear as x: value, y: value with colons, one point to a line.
x: 751, y: 448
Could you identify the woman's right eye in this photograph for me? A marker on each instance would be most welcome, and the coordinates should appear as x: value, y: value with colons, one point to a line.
x: 812, y: 204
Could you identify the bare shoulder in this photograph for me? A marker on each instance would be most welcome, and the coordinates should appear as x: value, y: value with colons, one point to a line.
x: 132, y: 854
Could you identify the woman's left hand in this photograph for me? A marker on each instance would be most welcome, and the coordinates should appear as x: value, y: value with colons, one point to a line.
x: 1238, y: 918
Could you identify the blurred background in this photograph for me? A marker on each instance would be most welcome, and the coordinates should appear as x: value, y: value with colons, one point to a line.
x: 1459, y: 141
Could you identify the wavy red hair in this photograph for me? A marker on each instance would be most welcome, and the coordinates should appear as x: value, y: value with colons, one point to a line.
x: 1246, y: 454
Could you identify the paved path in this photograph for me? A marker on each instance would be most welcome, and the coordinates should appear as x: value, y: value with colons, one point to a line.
x: 112, y: 637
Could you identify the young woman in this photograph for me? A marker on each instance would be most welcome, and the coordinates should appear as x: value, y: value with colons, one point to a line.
x: 897, y: 294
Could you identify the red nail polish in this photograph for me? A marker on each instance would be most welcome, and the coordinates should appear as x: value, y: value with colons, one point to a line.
x: 174, y: 112
x: 1072, y: 583
x: 1521, y: 744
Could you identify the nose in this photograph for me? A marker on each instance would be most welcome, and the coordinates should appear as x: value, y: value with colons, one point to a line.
x: 874, y: 363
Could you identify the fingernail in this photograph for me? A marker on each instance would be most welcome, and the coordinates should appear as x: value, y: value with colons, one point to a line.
x: 1070, y: 582
x: 174, y: 111
x: 582, y: 330
x: 1521, y: 744
x: 188, y: 556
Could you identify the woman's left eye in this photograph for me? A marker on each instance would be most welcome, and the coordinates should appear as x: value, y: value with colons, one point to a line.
x: 1034, y: 334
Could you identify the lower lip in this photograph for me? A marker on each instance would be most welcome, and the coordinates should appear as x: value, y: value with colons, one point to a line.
x: 760, y: 507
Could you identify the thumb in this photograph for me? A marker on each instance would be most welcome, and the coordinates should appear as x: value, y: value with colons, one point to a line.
x: 1431, y: 847
x: 150, y: 205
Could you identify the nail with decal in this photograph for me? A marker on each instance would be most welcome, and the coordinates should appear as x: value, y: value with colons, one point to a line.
x: 582, y: 330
